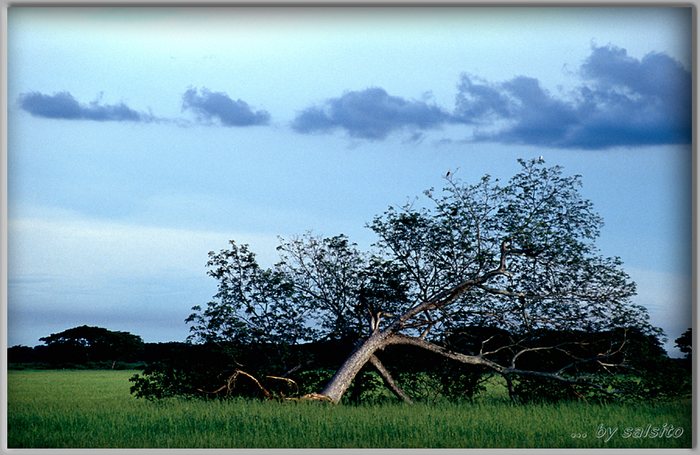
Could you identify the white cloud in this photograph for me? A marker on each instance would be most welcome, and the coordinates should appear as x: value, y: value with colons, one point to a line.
x: 66, y: 270
x: 78, y: 247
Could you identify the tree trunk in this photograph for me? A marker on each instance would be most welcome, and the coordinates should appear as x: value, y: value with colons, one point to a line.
x: 511, y: 390
x: 342, y: 379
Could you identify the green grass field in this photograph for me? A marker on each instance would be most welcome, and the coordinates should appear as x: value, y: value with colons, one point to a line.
x: 93, y: 409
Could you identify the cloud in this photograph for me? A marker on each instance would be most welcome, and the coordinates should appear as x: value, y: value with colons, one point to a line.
x: 369, y: 114
x: 622, y: 101
x: 63, y: 105
x: 86, y: 248
x: 210, y: 105
x: 619, y: 101
x: 69, y: 270
x: 649, y: 101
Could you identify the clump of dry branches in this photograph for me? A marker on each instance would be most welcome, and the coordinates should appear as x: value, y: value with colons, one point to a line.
x: 232, y: 381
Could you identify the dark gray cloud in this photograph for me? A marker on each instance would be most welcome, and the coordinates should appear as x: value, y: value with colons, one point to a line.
x: 369, y: 114
x: 63, y: 105
x: 210, y: 105
x: 478, y: 102
x: 622, y: 101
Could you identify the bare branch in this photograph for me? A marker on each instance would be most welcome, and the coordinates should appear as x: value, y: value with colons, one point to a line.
x: 448, y: 296
x: 525, y: 350
x: 479, y: 360
x: 231, y: 383
x: 504, y: 292
x: 426, y: 331
x: 483, y: 344
x: 389, y: 380
x: 469, y: 359
x: 289, y: 382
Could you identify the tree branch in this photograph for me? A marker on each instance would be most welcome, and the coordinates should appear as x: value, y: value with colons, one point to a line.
x: 479, y: 360
x: 421, y: 343
x: 504, y: 292
x: 389, y: 380
x: 450, y: 295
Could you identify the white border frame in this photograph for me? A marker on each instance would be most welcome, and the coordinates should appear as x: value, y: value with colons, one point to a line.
x: 6, y: 4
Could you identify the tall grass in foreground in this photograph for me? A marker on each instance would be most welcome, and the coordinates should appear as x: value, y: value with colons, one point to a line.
x: 72, y: 409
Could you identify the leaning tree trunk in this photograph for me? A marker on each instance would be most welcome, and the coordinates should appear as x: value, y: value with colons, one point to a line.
x: 391, y: 335
x: 342, y: 379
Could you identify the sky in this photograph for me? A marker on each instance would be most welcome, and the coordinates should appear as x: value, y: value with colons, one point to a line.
x: 140, y: 139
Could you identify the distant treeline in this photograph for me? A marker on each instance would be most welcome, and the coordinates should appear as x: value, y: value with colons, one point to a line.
x: 178, y: 368
x: 97, y: 347
x: 65, y: 357
x: 100, y: 347
x: 53, y: 356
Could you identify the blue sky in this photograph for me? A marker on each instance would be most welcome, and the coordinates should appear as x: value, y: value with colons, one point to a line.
x: 140, y: 139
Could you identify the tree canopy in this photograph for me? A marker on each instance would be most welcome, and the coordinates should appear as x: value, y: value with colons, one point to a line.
x: 87, y: 343
x: 520, y: 256
x: 684, y: 343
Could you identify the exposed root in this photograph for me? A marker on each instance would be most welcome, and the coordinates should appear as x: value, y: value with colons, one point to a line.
x: 255, y: 381
x: 231, y: 383
x: 316, y: 397
x: 287, y: 380
x: 214, y: 392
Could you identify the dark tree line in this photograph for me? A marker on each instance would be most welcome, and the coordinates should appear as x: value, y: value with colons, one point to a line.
x: 91, y: 347
x: 204, y: 370
x: 199, y: 370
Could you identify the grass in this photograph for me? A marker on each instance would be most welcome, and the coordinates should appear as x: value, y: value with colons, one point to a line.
x: 93, y: 409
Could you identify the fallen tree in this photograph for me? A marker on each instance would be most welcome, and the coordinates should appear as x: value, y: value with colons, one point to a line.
x: 520, y: 257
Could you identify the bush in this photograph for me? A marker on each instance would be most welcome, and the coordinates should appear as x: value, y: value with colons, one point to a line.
x: 367, y: 387
x: 311, y: 381
x: 666, y: 380
x: 527, y: 390
x: 189, y: 371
